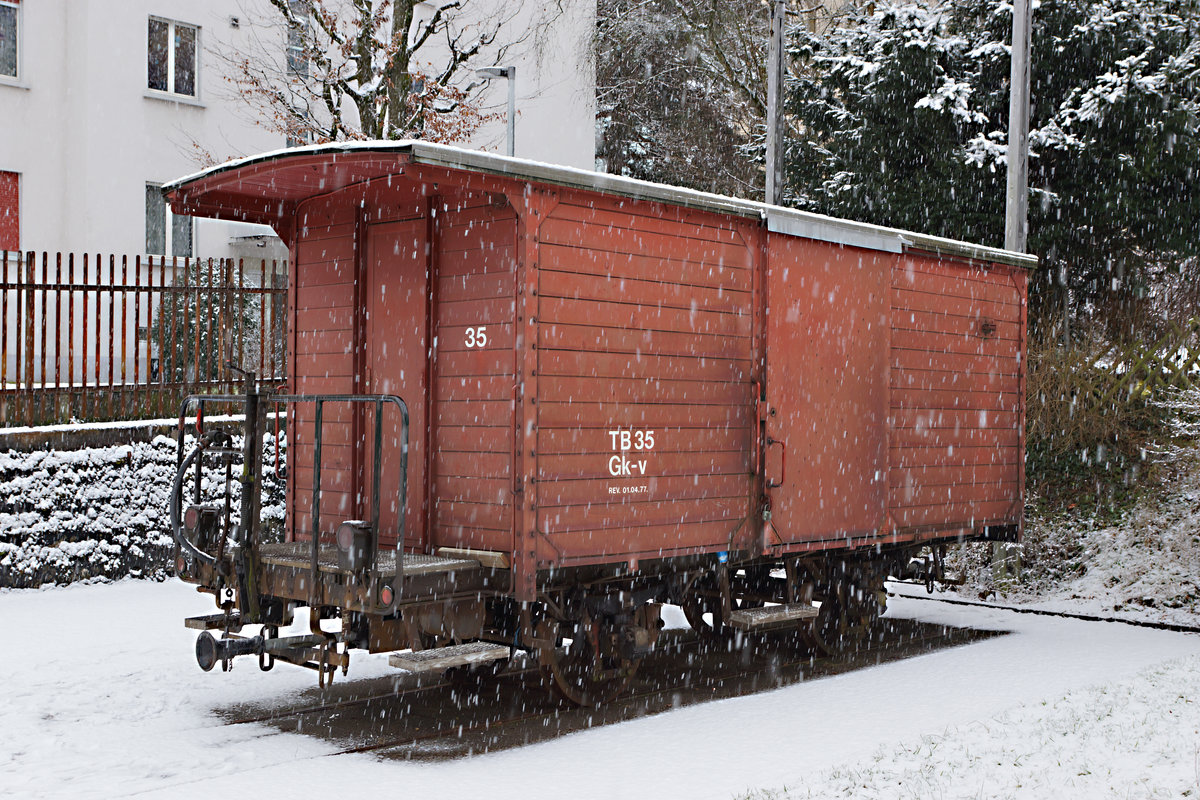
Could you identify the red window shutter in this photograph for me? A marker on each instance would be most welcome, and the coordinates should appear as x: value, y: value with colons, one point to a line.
x: 10, y: 211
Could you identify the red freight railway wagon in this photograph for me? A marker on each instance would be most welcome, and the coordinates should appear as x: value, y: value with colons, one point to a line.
x: 528, y: 404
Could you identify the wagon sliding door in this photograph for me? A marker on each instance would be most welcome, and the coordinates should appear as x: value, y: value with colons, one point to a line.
x: 397, y: 309
x: 827, y: 389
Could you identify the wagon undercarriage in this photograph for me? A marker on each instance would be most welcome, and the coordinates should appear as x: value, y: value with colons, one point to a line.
x: 452, y: 611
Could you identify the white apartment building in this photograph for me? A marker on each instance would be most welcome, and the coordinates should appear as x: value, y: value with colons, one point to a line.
x: 101, y: 102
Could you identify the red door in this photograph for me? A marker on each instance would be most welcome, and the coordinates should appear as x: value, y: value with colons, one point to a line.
x: 827, y: 357
x: 397, y: 360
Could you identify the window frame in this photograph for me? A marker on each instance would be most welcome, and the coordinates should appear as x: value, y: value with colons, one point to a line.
x: 168, y: 220
x: 170, y: 66
x: 16, y: 6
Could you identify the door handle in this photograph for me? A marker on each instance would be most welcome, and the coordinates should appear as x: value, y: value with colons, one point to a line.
x: 782, y: 462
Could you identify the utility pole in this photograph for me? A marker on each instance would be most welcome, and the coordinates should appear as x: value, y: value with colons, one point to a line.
x: 1006, y: 563
x: 775, y: 73
x: 1016, y: 210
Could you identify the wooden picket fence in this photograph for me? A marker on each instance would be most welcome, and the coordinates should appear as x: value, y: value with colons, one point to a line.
x: 96, y: 338
x: 1109, y: 396
x: 1142, y: 370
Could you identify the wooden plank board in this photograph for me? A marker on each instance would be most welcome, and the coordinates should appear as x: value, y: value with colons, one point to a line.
x: 475, y: 286
x: 324, y: 319
x: 943, y: 282
x: 332, y: 295
x: 692, y: 463
x: 325, y: 365
x: 630, y: 266
x: 485, y: 491
x: 951, y: 456
x: 325, y: 268
x: 486, y: 413
x: 491, y: 261
x: 487, y: 235
x: 570, y: 336
x: 968, y: 342
x: 952, y: 495
x: 644, y: 316
x: 908, y: 478
x: 574, y: 440
x: 659, y: 219
x: 331, y: 342
x: 474, y: 363
x: 494, y: 335
x: 658, y: 245
x: 472, y: 464
x: 954, y: 420
x: 656, y: 541
x: 943, y: 516
x: 472, y: 516
x: 581, y: 364
x: 953, y: 362
x: 957, y: 400
x: 926, y: 380
x: 907, y: 300
x: 910, y: 320
x: 576, y: 493
x: 609, y: 415
x: 619, y: 517
x: 474, y: 387
x: 606, y: 288
x: 465, y: 439
x: 939, y: 437
x: 646, y: 390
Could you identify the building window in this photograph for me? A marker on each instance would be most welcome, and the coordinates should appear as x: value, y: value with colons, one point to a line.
x: 10, y: 21
x: 10, y: 211
x: 166, y: 233
x: 298, y: 36
x: 171, y: 57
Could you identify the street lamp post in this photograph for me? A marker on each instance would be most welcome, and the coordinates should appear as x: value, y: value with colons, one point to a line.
x: 510, y: 74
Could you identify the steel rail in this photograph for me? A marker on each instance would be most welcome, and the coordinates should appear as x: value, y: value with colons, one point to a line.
x: 1044, y: 612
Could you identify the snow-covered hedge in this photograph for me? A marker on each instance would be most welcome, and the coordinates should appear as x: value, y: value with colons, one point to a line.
x: 99, y: 512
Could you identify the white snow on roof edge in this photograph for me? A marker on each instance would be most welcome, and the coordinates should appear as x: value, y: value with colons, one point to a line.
x: 779, y: 219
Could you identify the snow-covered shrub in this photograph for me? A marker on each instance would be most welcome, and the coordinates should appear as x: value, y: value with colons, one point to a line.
x: 101, y: 512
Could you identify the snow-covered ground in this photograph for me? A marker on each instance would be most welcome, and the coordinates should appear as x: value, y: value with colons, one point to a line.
x: 102, y: 698
x: 1145, y: 566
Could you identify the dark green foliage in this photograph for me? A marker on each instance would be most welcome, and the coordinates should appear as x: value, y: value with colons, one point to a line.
x: 902, y: 118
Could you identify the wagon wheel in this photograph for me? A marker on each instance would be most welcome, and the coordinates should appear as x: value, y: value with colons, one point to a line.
x: 702, y: 601
x: 850, y: 605
x: 589, y: 670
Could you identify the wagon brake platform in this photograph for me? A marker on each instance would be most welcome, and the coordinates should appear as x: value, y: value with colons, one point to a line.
x: 299, y: 555
x: 285, y: 570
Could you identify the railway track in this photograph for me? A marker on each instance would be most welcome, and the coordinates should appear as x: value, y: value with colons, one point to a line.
x: 440, y: 720
x: 957, y: 601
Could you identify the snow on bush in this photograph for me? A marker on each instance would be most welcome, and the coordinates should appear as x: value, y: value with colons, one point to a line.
x: 101, y: 512
x: 1144, y: 566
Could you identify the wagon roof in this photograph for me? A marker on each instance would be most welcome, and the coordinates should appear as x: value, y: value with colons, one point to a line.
x: 259, y: 189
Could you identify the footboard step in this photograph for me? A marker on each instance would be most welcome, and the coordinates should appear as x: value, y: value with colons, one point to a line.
x: 766, y: 617
x: 441, y: 659
x: 214, y: 622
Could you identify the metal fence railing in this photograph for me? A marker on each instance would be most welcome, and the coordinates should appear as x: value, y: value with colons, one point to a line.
x: 103, y: 337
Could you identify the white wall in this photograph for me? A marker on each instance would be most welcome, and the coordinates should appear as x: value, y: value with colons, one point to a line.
x: 556, y: 92
x: 86, y: 135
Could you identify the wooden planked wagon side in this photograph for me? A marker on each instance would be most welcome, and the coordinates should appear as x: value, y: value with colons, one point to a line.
x: 603, y: 371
